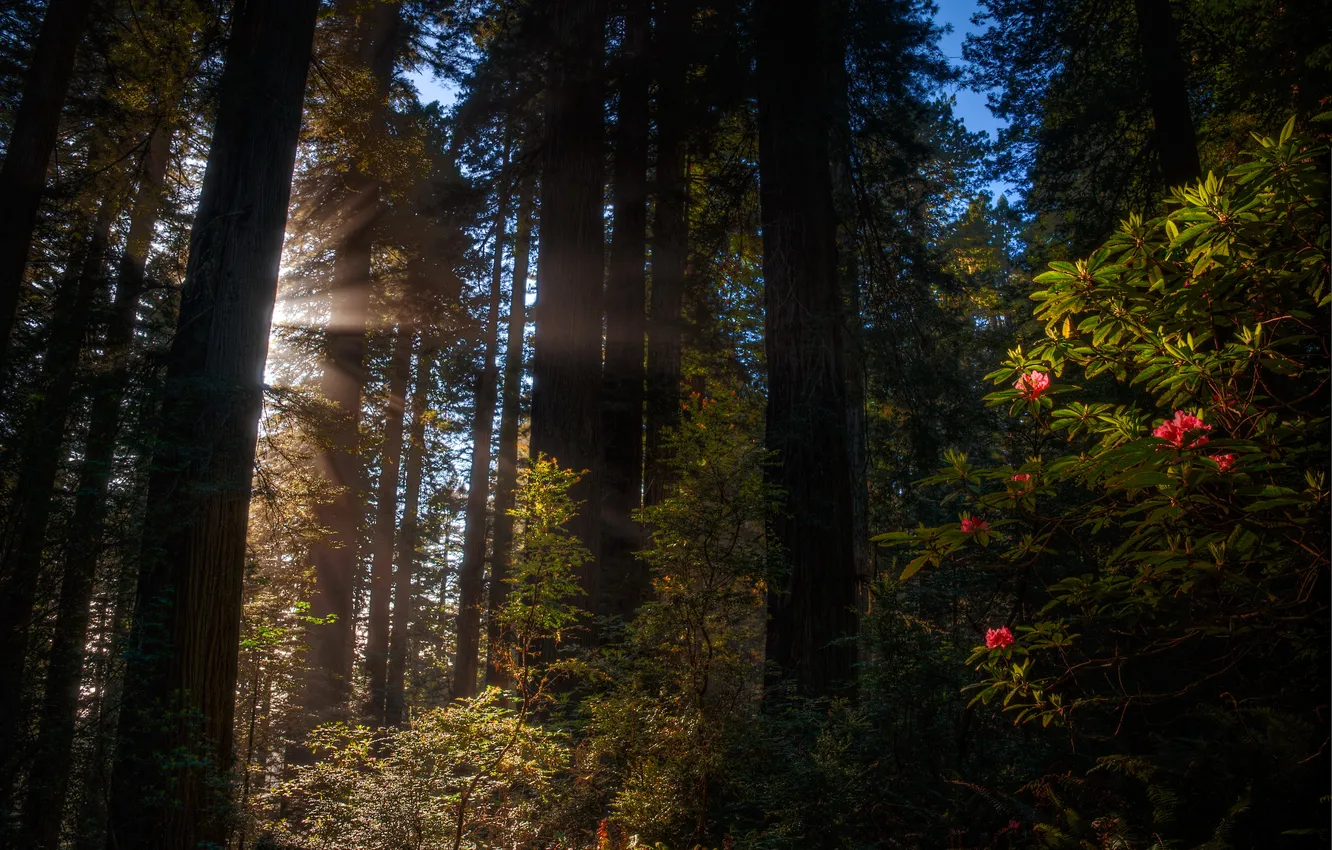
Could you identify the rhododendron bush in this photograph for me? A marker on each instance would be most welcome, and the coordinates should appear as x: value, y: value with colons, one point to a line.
x: 1161, y: 521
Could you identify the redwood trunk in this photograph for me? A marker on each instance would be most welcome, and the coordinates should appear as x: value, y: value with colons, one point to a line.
x: 328, y: 686
x: 30, y: 145
x: 396, y: 703
x: 848, y: 248
x: 478, y: 486
x: 34, y: 495
x: 386, y: 517
x: 174, y: 753
x: 566, y: 360
x: 506, y: 473
x: 812, y: 608
x: 1163, y: 66
x: 623, y: 375
x: 47, y: 787
x: 670, y: 235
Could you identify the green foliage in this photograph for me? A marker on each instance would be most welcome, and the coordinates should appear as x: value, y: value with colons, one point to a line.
x: 1068, y: 78
x: 539, y: 615
x: 477, y: 773
x: 473, y: 774
x: 927, y: 350
x: 686, y: 678
x: 276, y: 620
x: 1167, y: 550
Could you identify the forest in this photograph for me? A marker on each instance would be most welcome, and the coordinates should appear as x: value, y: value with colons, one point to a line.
x: 672, y: 424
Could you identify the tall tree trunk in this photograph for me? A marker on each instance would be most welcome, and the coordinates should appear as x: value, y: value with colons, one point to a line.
x: 813, y: 608
x: 862, y: 550
x: 386, y: 519
x: 396, y: 702
x: 34, y: 495
x: 181, y: 678
x: 506, y: 473
x: 670, y: 236
x: 47, y: 787
x: 29, y: 151
x: 114, y: 612
x: 848, y: 249
x: 328, y: 683
x: 566, y: 359
x: 1176, y: 145
x: 623, y: 375
x: 478, y: 486
x: 107, y: 687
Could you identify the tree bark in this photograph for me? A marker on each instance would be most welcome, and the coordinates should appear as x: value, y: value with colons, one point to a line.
x: 670, y: 236
x: 47, y: 787
x: 180, y: 681
x: 396, y: 703
x: 623, y: 375
x: 848, y: 249
x: 506, y: 473
x: 386, y: 519
x: 478, y: 485
x: 34, y: 495
x: 566, y: 359
x: 328, y: 686
x: 812, y: 607
x: 1176, y: 145
x: 29, y: 151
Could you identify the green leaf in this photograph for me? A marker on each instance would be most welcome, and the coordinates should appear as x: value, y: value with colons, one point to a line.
x: 912, y: 568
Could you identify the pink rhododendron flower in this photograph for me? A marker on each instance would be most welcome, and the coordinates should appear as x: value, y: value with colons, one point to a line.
x: 1022, y: 477
x: 1032, y: 384
x: 1224, y: 462
x: 971, y: 525
x: 998, y: 638
x: 1177, y: 430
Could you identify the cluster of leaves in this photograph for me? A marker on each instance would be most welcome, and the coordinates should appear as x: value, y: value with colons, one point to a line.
x: 473, y: 774
x: 1069, y: 80
x: 478, y: 772
x: 1161, y: 523
x: 686, y: 678
x: 539, y: 614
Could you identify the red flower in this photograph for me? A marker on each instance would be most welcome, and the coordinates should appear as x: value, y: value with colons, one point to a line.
x: 998, y: 638
x: 1022, y: 477
x: 1032, y: 384
x: 1224, y: 462
x: 971, y: 525
x: 1177, y: 430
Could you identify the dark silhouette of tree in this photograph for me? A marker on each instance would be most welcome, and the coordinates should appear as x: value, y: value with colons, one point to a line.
x: 670, y: 236
x: 623, y: 372
x: 395, y: 712
x: 180, y: 683
x: 1166, y: 73
x: 386, y: 513
x: 343, y: 377
x: 812, y: 607
x: 47, y: 786
x: 30, y: 145
x: 566, y: 355
x: 506, y: 473
x: 472, y: 569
